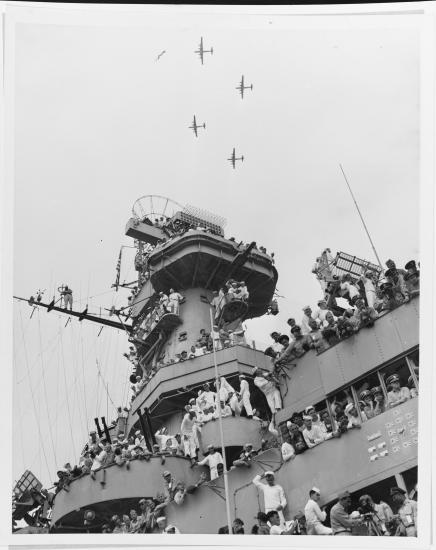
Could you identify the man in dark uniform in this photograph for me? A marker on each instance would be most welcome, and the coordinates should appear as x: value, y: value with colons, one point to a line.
x: 411, y: 278
x: 296, y: 438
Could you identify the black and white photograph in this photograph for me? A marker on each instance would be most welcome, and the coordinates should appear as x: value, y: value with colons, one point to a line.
x: 220, y: 224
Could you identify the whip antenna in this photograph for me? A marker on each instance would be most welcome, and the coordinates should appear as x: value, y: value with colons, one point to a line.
x: 361, y: 217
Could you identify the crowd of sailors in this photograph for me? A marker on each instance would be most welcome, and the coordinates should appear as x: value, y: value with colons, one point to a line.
x: 367, y: 299
x: 328, y: 324
x: 364, y: 516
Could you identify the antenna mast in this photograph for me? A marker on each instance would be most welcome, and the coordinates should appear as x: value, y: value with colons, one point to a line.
x: 361, y: 217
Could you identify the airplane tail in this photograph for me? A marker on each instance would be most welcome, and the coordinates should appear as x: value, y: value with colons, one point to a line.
x: 251, y: 86
x: 242, y: 158
x: 204, y: 125
x: 211, y: 50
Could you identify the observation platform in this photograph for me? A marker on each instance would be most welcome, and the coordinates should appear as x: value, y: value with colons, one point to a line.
x: 121, y: 490
x: 164, y: 325
x: 166, y: 391
x: 204, y: 260
x: 237, y: 430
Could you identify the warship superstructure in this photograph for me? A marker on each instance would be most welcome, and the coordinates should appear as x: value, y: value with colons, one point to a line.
x: 184, y: 251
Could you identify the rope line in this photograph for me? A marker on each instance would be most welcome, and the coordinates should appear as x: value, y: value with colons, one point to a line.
x: 45, y: 390
x: 84, y: 385
x: 66, y: 394
x: 33, y: 397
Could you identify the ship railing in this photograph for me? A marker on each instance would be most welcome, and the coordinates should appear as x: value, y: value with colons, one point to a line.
x: 326, y: 346
x: 135, y: 458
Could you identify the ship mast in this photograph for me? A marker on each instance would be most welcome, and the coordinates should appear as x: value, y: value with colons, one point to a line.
x: 220, y: 422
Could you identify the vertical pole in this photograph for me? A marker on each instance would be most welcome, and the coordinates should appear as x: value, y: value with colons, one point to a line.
x: 361, y: 217
x: 99, y: 430
x: 220, y: 422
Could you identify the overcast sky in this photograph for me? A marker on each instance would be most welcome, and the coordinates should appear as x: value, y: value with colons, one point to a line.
x: 99, y: 123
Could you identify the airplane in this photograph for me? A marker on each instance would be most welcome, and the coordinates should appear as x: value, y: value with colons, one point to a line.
x: 160, y: 55
x: 196, y: 126
x: 201, y: 51
x: 233, y: 158
x: 241, y: 87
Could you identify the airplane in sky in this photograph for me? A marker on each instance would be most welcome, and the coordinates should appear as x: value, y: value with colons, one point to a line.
x: 234, y: 158
x: 201, y: 51
x: 241, y: 87
x: 196, y: 126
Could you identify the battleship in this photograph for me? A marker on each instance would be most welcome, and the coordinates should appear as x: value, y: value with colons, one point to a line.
x: 184, y: 325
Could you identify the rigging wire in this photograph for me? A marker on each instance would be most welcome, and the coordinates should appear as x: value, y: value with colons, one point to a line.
x: 33, y: 399
x: 20, y: 424
x: 75, y: 353
x: 84, y: 385
x: 57, y: 388
x: 66, y: 395
x: 45, y: 389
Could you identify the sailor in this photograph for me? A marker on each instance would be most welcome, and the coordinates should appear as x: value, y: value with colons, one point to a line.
x: 305, y: 328
x: 288, y: 451
x: 314, y: 515
x: 397, y: 394
x: 208, y: 395
x: 277, y: 346
x: 262, y: 527
x: 321, y: 313
x: 353, y: 416
x: 396, y: 277
x: 244, y: 392
x: 349, y: 289
x: 174, y: 299
x: 244, y: 294
x: 277, y: 528
x: 186, y: 430
x: 369, y: 407
x: 411, y: 278
x: 368, y: 284
x: 163, y: 303
x: 313, y: 435
x: 379, y: 400
x: 234, y: 403
x: 292, y: 323
x: 340, y: 520
x: 246, y: 456
x: 213, y: 459
x: 170, y: 485
x: 268, y: 387
x: 140, y: 439
x: 67, y: 296
x: 317, y: 271
x: 225, y: 410
x: 224, y: 389
x: 273, y: 494
x: 301, y: 343
x: 407, y: 513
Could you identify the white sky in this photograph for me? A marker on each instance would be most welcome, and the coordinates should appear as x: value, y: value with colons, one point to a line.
x: 98, y: 123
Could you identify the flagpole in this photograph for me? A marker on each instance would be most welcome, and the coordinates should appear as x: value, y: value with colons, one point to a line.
x: 361, y: 217
x: 220, y: 422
